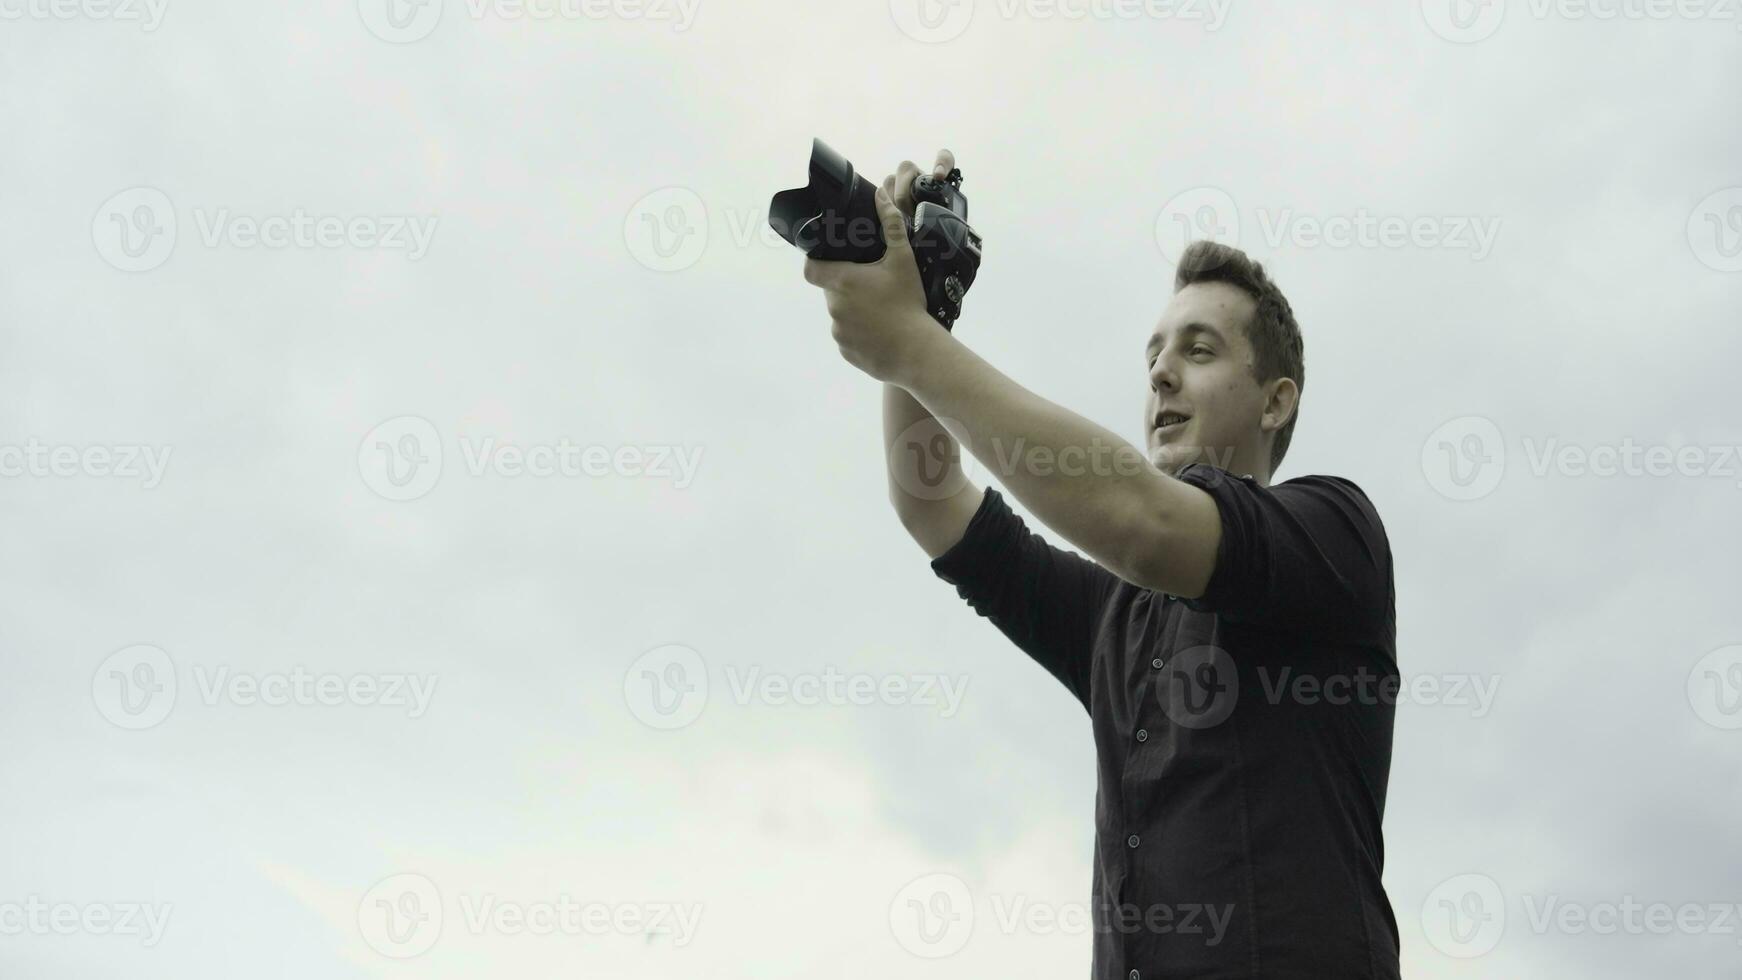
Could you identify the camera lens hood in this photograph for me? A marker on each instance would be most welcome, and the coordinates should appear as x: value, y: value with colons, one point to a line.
x: 834, y: 217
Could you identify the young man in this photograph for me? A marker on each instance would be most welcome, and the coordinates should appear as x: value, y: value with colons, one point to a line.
x: 1233, y: 642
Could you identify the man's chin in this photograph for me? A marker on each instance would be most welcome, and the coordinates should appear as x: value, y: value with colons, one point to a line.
x: 1170, y: 459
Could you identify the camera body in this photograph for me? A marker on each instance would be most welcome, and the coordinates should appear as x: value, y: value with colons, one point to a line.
x: 834, y: 218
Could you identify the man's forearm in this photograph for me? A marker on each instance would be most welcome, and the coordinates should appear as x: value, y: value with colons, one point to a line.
x: 927, y: 486
x: 910, y: 452
x: 1092, y: 487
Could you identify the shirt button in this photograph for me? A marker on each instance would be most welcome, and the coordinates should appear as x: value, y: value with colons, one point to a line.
x: 1131, y: 841
x: 1156, y: 663
x: 1134, y: 975
x: 1143, y: 734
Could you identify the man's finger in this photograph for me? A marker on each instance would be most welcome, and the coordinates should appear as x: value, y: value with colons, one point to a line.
x: 946, y: 163
x: 894, y: 224
x: 902, y: 191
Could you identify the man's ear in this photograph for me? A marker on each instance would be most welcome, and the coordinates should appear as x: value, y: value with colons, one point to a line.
x: 1279, y: 405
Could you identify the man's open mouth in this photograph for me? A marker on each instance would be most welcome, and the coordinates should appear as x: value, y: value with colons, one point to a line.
x: 1169, y: 421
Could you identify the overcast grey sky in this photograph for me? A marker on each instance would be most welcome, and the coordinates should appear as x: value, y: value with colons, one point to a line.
x: 441, y: 538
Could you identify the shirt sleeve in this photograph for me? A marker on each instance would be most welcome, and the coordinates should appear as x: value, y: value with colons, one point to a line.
x: 1045, y: 599
x: 1308, y: 551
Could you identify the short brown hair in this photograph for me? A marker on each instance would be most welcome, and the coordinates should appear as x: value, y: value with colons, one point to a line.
x: 1277, y: 348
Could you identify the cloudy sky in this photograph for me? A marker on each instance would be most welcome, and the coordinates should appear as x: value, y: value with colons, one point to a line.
x: 442, y: 539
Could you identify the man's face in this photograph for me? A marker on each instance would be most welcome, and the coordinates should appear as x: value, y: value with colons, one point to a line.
x: 1200, y: 366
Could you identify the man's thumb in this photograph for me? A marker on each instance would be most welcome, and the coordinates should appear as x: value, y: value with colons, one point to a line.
x: 893, y: 221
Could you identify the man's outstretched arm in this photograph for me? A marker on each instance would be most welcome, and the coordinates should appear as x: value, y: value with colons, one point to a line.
x: 930, y: 493
x: 1092, y: 487
x: 1146, y: 527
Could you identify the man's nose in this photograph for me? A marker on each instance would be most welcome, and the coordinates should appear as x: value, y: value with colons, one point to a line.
x: 1162, y: 377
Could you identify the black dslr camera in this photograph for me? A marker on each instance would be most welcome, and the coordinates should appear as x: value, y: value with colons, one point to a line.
x: 835, y: 218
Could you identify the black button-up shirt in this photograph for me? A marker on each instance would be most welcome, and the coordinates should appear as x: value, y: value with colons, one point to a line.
x: 1243, y: 738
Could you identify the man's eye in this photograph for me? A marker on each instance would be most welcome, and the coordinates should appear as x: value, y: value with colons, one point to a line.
x: 1202, y: 348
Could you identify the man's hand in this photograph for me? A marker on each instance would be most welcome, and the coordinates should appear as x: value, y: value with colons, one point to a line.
x: 878, y: 308
x: 899, y: 185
